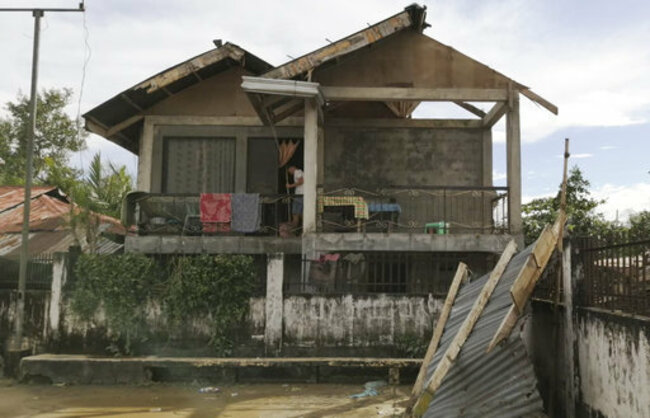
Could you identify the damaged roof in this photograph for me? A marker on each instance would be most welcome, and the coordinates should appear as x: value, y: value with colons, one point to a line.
x: 119, y: 118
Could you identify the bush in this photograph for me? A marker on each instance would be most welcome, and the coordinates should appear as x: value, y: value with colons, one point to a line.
x: 216, y: 287
x: 121, y: 285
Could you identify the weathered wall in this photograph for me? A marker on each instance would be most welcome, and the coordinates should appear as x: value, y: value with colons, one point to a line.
x: 611, y: 362
x: 37, y: 303
x: 614, y: 364
x: 220, y: 95
x: 357, y: 321
x: 403, y: 156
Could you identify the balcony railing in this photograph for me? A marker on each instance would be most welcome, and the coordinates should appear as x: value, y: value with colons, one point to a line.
x: 179, y: 214
x: 432, y: 210
x: 422, y: 209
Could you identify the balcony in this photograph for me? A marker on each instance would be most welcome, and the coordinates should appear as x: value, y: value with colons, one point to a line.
x: 422, y: 209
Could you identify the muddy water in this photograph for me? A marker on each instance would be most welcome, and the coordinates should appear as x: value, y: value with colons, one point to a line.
x: 158, y: 401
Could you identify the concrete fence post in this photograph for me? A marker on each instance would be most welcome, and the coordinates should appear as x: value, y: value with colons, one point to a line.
x: 274, y: 303
x: 59, y: 276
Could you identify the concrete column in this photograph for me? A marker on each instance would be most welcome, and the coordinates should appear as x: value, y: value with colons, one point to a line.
x: 569, y: 336
x: 513, y: 156
x: 59, y: 276
x: 310, y: 166
x: 145, y: 157
x: 487, y: 157
x: 274, y: 303
x: 241, y: 154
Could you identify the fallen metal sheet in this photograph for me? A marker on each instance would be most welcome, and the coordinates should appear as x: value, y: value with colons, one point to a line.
x: 501, y: 383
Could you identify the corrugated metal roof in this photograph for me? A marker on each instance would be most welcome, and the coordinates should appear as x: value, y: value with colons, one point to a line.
x: 500, y: 383
x: 49, y: 242
x: 49, y: 211
x: 11, y: 196
x: 119, y: 118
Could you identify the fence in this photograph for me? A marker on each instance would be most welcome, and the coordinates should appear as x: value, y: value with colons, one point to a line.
x: 179, y: 214
x: 421, y: 209
x: 39, y: 272
x: 616, y: 273
x: 381, y: 272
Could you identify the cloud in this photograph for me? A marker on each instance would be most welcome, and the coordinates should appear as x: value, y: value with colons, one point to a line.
x: 497, y: 175
x: 608, y: 147
x: 578, y: 156
x: 623, y: 200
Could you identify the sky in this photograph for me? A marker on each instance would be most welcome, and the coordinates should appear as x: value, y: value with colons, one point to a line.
x: 591, y: 59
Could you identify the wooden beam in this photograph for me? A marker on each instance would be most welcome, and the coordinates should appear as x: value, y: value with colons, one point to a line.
x: 130, y: 102
x: 460, y: 277
x: 123, y: 125
x: 288, y: 110
x: 471, y: 108
x: 464, y: 331
x: 540, y: 100
x: 405, y: 123
x: 524, y: 284
x: 493, y: 116
x: 388, y: 94
x: 402, y: 109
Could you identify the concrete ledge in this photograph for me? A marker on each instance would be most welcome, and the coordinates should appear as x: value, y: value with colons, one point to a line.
x: 406, y: 242
x: 81, y: 369
x: 176, y: 244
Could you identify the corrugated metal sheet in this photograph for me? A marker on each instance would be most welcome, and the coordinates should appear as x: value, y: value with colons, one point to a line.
x: 49, y: 242
x: 199, y: 165
x: 501, y: 383
x: 11, y: 196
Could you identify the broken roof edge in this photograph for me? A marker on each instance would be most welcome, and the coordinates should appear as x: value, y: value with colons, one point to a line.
x: 113, y: 131
x: 412, y: 17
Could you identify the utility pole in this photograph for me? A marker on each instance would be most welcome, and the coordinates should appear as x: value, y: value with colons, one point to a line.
x: 29, y: 151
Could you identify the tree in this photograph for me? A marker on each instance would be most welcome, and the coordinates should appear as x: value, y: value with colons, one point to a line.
x: 56, y: 136
x: 640, y: 225
x: 583, y: 219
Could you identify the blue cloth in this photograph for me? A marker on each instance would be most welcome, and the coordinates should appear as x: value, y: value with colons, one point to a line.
x: 246, y: 212
x: 296, y: 205
x: 384, y: 207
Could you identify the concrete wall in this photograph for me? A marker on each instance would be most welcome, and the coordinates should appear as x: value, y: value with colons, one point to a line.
x: 357, y: 321
x: 609, y: 355
x: 614, y: 364
x: 368, y: 156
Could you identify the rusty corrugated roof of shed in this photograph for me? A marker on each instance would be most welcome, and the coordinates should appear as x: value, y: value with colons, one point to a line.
x: 413, y: 17
x: 501, y: 383
x: 49, y: 242
x: 12, y: 196
x: 49, y: 211
x: 119, y: 118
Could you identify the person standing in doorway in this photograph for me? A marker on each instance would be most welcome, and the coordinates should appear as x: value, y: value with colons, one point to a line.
x: 296, y: 205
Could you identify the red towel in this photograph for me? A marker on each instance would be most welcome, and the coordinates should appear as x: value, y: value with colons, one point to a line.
x: 215, y: 212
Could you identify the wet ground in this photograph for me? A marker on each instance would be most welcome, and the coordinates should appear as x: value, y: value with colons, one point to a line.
x: 167, y: 400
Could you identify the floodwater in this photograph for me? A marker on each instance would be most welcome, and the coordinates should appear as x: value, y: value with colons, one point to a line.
x: 180, y: 401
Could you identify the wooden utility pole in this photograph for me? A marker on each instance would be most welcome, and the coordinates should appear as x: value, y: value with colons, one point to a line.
x: 29, y: 151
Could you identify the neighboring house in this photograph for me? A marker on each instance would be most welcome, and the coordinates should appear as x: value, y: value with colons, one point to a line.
x: 49, y: 231
x: 391, y: 203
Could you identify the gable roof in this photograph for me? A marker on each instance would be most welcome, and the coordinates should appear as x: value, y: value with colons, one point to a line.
x: 119, y: 118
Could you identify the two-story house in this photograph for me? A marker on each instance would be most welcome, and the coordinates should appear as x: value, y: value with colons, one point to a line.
x: 390, y: 202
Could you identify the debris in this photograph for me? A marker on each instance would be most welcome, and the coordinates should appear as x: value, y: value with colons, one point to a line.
x: 209, y: 389
x: 155, y: 410
x: 234, y: 394
x: 370, y: 389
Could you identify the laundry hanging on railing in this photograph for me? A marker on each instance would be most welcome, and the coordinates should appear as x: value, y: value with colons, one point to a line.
x: 216, y: 212
x: 246, y: 213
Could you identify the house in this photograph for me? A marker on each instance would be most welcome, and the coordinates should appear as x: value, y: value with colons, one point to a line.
x: 49, y: 232
x: 391, y: 202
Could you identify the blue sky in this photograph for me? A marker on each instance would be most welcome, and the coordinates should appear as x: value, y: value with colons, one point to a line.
x: 590, y: 58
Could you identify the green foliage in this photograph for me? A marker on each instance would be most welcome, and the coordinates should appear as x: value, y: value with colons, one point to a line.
x: 411, y: 346
x: 580, y: 206
x: 56, y: 135
x: 640, y: 225
x: 216, y: 287
x: 205, y: 286
x: 121, y: 285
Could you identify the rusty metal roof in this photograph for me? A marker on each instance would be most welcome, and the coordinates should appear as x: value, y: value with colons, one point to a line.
x: 119, y: 118
x: 501, y: 383
x: 49, y: 211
